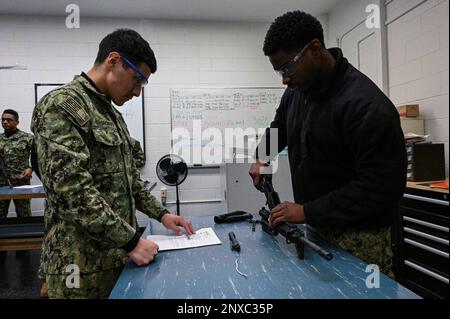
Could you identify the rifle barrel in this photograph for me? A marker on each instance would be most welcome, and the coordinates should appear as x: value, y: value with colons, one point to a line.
x: 322, y: 252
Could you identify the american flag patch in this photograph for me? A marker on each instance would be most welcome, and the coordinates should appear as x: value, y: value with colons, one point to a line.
x: 76, y: 110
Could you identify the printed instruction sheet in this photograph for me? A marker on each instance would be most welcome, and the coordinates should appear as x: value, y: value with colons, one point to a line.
x: 202, y: 237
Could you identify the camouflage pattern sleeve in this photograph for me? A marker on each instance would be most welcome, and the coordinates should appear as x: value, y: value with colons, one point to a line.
x: 64, y: 161
x: 138, y: 154
x: 144, y: 200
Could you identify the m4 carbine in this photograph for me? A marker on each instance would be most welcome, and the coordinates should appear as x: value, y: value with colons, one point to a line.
x: 5, y: 171
x: 289, y: 231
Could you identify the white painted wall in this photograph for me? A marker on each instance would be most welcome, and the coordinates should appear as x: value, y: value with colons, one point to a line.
x: 189, y: 53
x: 418, y: 62
x: 418, y: 55
x: 347, y: 29
x: 193, y: 53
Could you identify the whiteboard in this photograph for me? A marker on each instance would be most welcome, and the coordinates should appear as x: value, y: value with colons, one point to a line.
x: 220, y: 108
x: 132, y: 111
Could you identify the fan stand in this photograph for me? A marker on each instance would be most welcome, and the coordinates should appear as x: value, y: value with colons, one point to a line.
x: 178, y: 201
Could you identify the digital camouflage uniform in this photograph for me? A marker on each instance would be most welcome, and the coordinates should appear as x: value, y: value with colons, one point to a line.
x: 16, y: 153
x: 138, y: 153
x: 93, y: 189
x: 373, y: 246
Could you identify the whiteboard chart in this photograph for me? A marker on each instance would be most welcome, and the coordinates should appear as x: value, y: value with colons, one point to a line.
x: 132, y: 111
x: 215, y: 110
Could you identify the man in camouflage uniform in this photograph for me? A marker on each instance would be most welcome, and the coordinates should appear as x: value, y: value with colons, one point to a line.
x: 93, y: 188
x: 138, y: 153
x: 15, y: 148
x: 345, y: 144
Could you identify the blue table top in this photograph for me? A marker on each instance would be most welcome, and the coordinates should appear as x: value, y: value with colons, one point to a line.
x: 273, y: 268
x: 5, y: 190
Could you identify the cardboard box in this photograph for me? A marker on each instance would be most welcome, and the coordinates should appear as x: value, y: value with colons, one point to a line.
x: 410, y: 110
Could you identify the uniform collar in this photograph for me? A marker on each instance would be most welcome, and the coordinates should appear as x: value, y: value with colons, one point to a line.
x: 10, y: 135
x: 334, y: 80
x: 92, y: 83
x: 86, y: 82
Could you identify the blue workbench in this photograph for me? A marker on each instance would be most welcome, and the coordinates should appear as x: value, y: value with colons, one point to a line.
x: 273, y: 268
x: 22, y: 193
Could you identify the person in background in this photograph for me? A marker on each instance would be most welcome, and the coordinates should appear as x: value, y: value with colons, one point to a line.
x: 15, y: 148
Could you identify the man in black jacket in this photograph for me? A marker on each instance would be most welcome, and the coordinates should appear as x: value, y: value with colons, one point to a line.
x: 345, y: 144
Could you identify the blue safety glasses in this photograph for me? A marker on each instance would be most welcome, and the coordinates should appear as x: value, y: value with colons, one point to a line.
x: 141, y: 79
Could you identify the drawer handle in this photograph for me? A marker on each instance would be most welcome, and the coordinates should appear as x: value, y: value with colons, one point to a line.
x: 427, y: 248
x: 426, y: 271
x: 425, y: 235
x: 421, y: 222
x: 426, y: 199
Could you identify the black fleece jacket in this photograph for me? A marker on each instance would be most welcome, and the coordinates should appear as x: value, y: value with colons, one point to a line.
x: 346, y: 150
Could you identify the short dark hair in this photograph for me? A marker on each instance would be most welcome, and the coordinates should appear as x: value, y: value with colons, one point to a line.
x: 128, y: 43
x: 9, y: 111
x: 292, y: 31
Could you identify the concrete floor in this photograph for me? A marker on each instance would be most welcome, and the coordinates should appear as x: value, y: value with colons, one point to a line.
x: 18, y: 274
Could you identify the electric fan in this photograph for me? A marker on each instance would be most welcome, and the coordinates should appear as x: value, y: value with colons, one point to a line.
x: 172, y: 171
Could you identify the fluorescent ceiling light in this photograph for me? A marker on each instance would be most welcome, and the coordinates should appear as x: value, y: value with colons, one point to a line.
x: 13, y: 67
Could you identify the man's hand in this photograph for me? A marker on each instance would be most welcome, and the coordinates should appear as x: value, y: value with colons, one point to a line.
x: 255, y: 172
x: 171, y: 221
x: 144, y: 252
x: 26, y: 174
x: 287, y: 212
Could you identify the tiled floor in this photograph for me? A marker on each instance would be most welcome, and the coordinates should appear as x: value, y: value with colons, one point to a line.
x: 18, y: 274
